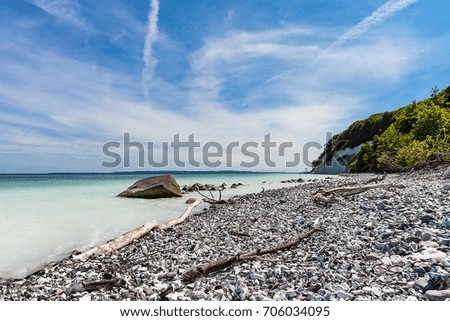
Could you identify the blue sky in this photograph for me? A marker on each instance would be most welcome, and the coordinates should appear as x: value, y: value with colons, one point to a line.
x: 75, y: 74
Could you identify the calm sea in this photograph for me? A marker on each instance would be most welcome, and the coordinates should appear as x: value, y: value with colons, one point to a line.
x: 45, y: 217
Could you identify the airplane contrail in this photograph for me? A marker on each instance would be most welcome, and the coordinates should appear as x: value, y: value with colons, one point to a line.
x: 378, y: 16
x: 152, y: 36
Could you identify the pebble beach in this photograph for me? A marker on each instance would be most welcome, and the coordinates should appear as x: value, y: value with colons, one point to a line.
x: 383, y: 244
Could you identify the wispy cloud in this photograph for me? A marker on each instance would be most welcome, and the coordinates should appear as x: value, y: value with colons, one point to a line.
x: 378, y: 16
x: 126, y: 28
x: 275, y: 68
x: 152, y: 36
x: 235, y: 87
x: 61, y: 115
x: 65, y: 10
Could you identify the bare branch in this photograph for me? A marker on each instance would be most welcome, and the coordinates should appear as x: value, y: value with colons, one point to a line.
x: 208, y: 198
x: 210, y: 193
x: 213, y: 266
x: 220, y: 193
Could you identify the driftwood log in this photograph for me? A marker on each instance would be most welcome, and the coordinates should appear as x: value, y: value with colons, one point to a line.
x: 376, y: 179
x: 203, y: 270
x: 129, y: 237
x: 104, y: 284
x: 212, y: 200
x: 353, y: 189
x: 329, y: 196
x: 240, y: 234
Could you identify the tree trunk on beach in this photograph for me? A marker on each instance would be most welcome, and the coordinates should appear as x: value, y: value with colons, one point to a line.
x: 328, y: 196
x: 135, y: 234
x: 207, y: 268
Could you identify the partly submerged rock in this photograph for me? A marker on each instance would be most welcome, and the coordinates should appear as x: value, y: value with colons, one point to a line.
x: 154, y: 187
x: 191, y: 200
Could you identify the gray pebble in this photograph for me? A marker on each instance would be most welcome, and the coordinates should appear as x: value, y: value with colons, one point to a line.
x: 385, y: 244
x: 423, y: 284
x: 434, y: 295
x: 344, y: 295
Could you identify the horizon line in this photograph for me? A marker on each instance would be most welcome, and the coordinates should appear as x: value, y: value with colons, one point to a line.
x: 156, y: 171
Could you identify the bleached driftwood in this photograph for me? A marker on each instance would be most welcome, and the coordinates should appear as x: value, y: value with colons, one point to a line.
x: 213, y: 266
x: 104, y: 284
x: 129, y: 237
x: 352, y: 189
x: 329, y: 196
x: 212, y: 200
x: 376, y: 179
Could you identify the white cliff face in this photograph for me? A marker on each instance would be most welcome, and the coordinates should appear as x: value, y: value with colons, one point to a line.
x: 332, y: 167
x: 348, y: 152
x: 339, y: 163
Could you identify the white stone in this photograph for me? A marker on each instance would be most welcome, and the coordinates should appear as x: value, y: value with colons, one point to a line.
x: 386, y: 261
x: 86, y: 297
x: 344, y: 295
x: 377, y: 291
x: 428, y: 244
x: 431, y: 254
x: 397, y: 260
x: 290, y: 294
x: 218, y: 294
x: 199, y: 295
x: 434, y: 295
x: 173, y: 296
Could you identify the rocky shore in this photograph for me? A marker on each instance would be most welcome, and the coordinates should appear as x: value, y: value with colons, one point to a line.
x: 383, y: 244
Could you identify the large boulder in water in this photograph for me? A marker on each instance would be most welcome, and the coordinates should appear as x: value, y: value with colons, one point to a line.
x: 154, y: 187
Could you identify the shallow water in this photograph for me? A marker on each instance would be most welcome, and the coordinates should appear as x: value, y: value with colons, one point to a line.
x: 45, y: 217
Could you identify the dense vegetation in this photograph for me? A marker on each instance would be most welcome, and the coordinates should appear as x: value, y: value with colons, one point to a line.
x: 411, y: 136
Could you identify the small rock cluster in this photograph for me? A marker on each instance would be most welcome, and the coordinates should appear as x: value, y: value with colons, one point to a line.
x: 207, y: 187
x: 382, y: 244
x: 294, y: 180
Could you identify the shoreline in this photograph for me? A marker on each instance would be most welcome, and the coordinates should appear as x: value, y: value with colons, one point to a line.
x: 372, y: 248
x: 237, y: 192
x: 50, y: 228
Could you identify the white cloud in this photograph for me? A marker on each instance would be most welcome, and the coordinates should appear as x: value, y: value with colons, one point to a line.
x: 152, y: 36
x: 126, y: 27
x: 63, y: 106
x: 378, y: 16
x: 66, y: 10
x: 66, y: 107
x: 278, y: 68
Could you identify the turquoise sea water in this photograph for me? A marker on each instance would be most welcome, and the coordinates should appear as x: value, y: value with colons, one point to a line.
x: 45, y: 217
